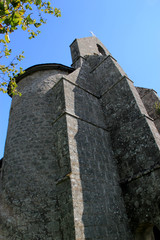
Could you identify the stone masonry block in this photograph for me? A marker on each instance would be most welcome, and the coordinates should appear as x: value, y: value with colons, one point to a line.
x: 107, y: 74
x: 140, y: 196
x: 83, y: 78
x: 58, y: 104
x: 83, y: 104
x: 69, y: 98
x: 90, y: 152
x: 122, y: 104
x: 132, y: 148
x: 149, y: 98
x: 82, y: 153
x: 151, y: 101
x: 87, y: 46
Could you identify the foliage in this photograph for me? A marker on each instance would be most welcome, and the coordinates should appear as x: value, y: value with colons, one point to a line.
x: 157, y: 107
x: 27, y: 15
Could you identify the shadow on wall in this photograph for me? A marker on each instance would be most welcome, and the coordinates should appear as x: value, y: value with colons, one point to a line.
x: 104, y: 214
x: 101, y: 83
x: 104, y: 210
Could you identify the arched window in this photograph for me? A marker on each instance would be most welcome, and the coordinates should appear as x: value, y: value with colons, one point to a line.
x: 101, y: 50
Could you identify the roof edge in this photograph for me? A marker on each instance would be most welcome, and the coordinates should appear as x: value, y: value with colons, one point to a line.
x: 42, y: 67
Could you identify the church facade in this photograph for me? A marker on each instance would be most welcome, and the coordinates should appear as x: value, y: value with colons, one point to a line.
x: 82, y: 155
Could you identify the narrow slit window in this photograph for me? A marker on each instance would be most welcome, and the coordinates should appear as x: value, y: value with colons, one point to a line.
x: 156, y: 233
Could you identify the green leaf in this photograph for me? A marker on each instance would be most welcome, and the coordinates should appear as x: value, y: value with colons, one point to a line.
x: 15, y: 13
x: 37, y: 24
x: 24, y: 27
x: 38, y: 2
x: 7, y: 38
x: 27, y: 6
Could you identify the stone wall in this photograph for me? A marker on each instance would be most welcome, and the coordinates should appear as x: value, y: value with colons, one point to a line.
x: 151, y: 100
x: 82, y: 153
x: 35, y: 153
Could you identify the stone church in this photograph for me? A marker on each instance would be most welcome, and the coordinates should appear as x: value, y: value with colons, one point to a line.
x: 82, y: 155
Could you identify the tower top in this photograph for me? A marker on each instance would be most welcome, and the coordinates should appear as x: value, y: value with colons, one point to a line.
x: 86, y: 46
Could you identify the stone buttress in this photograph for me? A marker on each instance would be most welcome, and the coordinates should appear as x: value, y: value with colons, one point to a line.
x: 82, y: 153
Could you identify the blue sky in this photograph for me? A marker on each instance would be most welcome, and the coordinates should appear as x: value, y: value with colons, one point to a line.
x: 130, y: 29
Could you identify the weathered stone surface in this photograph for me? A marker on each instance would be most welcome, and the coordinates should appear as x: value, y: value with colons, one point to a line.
x: 71, y: 99
x: 120, y: 104
x: 151, y: 100
x: 82, y: 154
x: 142, y: 197
x: 133, y: 134
x: 35, y: 159
x: 83, y: 78
x: 85, y: 47
x: 94, y: 172
x: 76, y: 98
x: 106, y: 74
